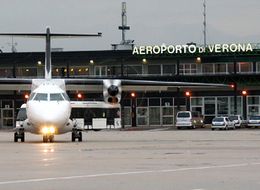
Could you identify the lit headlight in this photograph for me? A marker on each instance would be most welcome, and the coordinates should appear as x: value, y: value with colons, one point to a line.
x: 48, y: 130
x: 45, y: 130
x: 52, y: 130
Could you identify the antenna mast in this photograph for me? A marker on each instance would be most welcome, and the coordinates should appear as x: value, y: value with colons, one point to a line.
x: 205, y: 23
x: 124, y: 26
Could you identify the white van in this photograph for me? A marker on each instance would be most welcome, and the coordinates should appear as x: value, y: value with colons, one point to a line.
x: 188, y: 119
x: 21, y: 116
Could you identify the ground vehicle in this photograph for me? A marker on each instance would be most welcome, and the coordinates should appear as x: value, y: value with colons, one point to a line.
x: 222, y: 123
x: 254, y: 121
x: 189, y: 119
x: 237, y: 119
x: 21, y: 116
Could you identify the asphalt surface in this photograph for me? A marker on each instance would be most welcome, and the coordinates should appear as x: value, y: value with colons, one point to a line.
x: 134, y: 160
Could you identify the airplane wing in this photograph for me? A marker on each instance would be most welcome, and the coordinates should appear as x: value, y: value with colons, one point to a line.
x: 124, y: 82
x: 137, y: 82
x: 16, y: 81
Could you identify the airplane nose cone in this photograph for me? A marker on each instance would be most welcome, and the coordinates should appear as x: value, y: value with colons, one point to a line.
x: 49, y: 113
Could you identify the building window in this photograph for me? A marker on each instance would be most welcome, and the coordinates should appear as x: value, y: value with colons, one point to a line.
x: 222, y: 106
x: 207, y: 68
x: 169, y: 69
x: 134, y: 70
x: 245, y: 67
x: 26, y: 72
x: 74, y: 71
x: 187, y: 69
x: 6, y: 72
x: 154, y: 69
x: 114, y: 70
x: 221, y: 68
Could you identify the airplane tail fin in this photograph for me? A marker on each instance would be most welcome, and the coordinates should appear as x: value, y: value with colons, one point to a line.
x: 48, y: 36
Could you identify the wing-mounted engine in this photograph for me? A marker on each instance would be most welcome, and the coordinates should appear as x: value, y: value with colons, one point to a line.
x: 112, y: 91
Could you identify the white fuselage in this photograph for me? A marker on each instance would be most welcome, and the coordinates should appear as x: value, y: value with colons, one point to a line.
x: 48, y: 107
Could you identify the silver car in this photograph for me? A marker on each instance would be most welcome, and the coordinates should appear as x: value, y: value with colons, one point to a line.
x: 222, y: 123
x: 254, y: 121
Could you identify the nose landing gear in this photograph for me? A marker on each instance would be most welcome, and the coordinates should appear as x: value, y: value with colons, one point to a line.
x: 47, y: 138
x: 76, y: 134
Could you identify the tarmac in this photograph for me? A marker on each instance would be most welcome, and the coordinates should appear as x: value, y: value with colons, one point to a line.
x: 157, y: 159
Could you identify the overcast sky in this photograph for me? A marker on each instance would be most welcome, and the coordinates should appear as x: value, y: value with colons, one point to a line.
x: 151, y: 21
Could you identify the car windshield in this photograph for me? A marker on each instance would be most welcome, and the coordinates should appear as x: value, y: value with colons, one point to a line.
x: 41, y: 97
x: 218, y: 119
x: 183, y: 114
x: 232, y: 118
x: 56, y: 97
x: 21, y: 116
x: 255, y: 117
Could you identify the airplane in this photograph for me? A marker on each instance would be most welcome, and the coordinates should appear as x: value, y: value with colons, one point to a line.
x: 48, y: 107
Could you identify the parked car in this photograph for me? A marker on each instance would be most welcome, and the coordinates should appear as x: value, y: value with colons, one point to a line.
x: 254, y: 121
x: 238, y: 121
x: 222, y: 123
x: 188, y: 119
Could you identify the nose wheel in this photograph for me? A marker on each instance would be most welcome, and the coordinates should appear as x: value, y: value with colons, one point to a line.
x: 47, y: 138
x: 76, y: 134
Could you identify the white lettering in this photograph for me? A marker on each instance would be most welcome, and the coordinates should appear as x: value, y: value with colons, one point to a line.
x: 142, y: 50
x: 218, y: 48
x: 192, y: 49
x: 163, y: 48
x: 225, y: 48
x: 156, y: 49
x: 171, y: 49
x: 233, y: 48
x: 249, y: 47
x: 185, y: 48
x: 178, y: 49
x: 149, y: 50
x: 211, y: 48
x: 241, y: 47
x: 135, y: 50
x: 201, y: 49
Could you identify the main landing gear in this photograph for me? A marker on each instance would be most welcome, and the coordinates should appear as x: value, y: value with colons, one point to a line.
x: 76, y: 134
x: 47, y: 138
x: 19, y: 135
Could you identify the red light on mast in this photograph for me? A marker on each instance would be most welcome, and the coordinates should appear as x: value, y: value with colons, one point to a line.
x: 244, y: 92
x: 26, y: 96
x: 79, y: 95
x: 133, y: 95
x: 187, y: 93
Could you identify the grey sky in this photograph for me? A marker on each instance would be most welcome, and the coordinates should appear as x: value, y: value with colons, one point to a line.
x: 151, y: 21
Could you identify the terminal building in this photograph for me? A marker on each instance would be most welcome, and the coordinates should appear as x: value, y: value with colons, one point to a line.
x: 151, y: 106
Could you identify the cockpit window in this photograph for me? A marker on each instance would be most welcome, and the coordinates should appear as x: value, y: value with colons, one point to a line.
x: 66, y: 96
x: 56, y: 97
x: 31, y: 96
x: 41, y: 97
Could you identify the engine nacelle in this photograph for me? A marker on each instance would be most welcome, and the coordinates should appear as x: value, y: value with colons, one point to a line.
x: 112, y: 91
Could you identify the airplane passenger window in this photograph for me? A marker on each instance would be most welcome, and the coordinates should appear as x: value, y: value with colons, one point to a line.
x: 66, y: 96
x: 56, y: 97
x: 41, y: 97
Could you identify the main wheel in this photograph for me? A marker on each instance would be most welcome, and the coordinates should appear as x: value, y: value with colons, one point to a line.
x: 15, y: 137
x: 45, y: 138
x: 73, y: 137
x: 22, y: 137
x: 51, y: 138
x: 80, y: 137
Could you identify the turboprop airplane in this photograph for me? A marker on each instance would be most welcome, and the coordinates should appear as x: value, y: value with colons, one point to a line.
x: 48, y: 107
